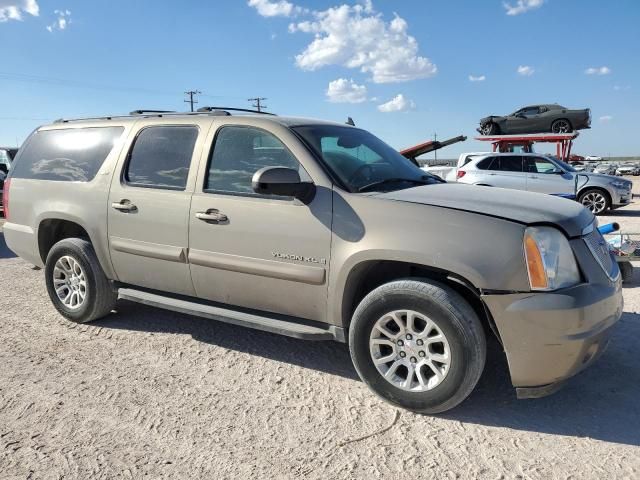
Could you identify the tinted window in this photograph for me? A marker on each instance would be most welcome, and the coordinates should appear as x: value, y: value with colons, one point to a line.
x: 511, y: 163
x: 74, y: 154
x: 486, y: 164
x: 161, y: 157
x: 530, y: 111
x: 239, y: 152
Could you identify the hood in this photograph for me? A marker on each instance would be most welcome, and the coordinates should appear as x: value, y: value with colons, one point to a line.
x: 523, y: 207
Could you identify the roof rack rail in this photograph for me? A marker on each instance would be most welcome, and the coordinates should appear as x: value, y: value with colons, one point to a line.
x: 229, y: 109
x: 145, y: 111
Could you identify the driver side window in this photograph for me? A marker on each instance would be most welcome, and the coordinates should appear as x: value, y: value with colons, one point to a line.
x: 239, y: 152
x: 540, y: 165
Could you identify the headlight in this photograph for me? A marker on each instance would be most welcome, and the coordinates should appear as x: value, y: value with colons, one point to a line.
x: 550, y: 261
x: 618, y: 184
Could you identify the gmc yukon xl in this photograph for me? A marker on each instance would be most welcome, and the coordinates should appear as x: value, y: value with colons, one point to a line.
x: 315, y: 230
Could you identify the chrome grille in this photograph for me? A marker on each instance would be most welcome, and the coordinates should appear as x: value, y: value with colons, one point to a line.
x: 600, y: 250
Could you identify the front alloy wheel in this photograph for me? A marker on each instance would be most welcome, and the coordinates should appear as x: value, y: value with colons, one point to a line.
x: 410, y: 351
x: 595, y: 201
x: 417, y: 344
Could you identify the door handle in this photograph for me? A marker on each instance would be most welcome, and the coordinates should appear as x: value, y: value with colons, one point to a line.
x: 124, y: 206
x: 212, y: 216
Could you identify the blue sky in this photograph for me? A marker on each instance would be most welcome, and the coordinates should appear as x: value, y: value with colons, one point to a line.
x: 66, y: 58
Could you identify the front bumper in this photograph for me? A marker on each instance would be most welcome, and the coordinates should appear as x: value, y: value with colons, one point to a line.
x: 549, y: 337
x: 621, y: 198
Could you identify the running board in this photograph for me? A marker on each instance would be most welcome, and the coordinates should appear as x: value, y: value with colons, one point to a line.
x: 273, y: 323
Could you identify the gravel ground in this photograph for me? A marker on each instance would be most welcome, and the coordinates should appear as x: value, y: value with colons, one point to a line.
x: 151, y: 393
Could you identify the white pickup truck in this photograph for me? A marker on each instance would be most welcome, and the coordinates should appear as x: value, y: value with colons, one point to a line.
x: 448, y: 172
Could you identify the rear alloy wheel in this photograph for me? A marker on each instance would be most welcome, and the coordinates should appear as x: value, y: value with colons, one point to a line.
x: 561, y: 126
x: 595, y: 200
x: 417, y: 344
x: 76, y: 283
x: 489, y: 128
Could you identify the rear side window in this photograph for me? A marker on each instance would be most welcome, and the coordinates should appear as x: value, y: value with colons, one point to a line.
x: 486, y: 164
x: 511, y: 163
x: 161, y: 156
x: 74, y: 154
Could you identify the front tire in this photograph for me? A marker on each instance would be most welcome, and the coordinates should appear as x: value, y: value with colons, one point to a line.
x: 490, y: 128
x: 595, y: 200
x: 417, y: 344
x: 76, y: 283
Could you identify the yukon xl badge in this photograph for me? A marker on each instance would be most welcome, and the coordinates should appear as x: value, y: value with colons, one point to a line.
x: 299, y: 258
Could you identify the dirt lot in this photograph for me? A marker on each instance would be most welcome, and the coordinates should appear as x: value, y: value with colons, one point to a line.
x: 151, y: 393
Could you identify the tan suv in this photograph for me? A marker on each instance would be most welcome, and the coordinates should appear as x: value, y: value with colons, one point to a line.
x: 319, y: 231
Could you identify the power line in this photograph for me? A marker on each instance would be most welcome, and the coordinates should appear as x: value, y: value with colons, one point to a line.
x: 257, y: 103
x: 191, y: 94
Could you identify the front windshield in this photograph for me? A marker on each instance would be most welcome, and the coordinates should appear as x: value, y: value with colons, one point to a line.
x: 362, y: 161
x: 565, y: 166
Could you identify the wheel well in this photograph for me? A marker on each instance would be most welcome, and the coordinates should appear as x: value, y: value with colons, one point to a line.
x: 600, y: 189
x: 51, y: 231
x: 565, y: 119
x: 367, y: 276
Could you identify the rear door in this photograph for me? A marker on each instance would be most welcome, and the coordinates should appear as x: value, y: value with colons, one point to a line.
x: 267, y: 253
x: 506, y: 171
x: 149, y: 205
x: 542, y: 177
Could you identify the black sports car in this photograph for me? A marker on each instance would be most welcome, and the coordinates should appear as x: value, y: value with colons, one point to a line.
x: 537, y: 119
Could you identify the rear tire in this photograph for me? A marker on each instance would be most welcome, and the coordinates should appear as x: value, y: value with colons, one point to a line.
x: 76, y: 283
x: 436, y: 330
x: 561, y: 125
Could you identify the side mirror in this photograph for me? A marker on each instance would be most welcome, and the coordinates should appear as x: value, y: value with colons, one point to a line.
x: 282, y: 181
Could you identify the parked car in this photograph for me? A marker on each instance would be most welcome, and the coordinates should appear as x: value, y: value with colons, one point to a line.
x: 578, y: 166
x: 628, y: 169
x: 546, y: 174
x: 537, y: 119
x: 315, y: 230
x: 593, y: 158
x: 606, y: 168
x: 6, y: 156
x: 576, y: 158
x: 448, y: 173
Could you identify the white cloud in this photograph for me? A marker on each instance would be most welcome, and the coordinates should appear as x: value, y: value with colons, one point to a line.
x: 606, y: 118
x: 279, y: 8
x: 398, y: 104
x: 13, y: 9
x: 619, y: 88
x: 525, y: 70
x: 598, y: 71
x: 355, y: 36
x: 480, y: 78
x: 62, y: 21
x: 346, y: 91
x: 522, y: 6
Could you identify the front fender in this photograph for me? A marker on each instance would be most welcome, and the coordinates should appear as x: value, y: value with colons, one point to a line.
x: 485, y: 251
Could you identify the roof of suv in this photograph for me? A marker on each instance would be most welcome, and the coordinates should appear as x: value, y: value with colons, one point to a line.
x: 259, y: 118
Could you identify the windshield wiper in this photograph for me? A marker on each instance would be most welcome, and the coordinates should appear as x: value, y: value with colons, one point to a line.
x: 379, y: 183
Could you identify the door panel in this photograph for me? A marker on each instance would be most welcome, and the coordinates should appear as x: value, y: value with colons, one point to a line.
x: 541, y: 179
x: 149, y: 209
x: 270, y: 253
x: 505, y: 171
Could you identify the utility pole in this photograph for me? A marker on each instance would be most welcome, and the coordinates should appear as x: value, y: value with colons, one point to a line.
x: 435, y: 152
x: 190, y: 100
x: 257, y: 103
